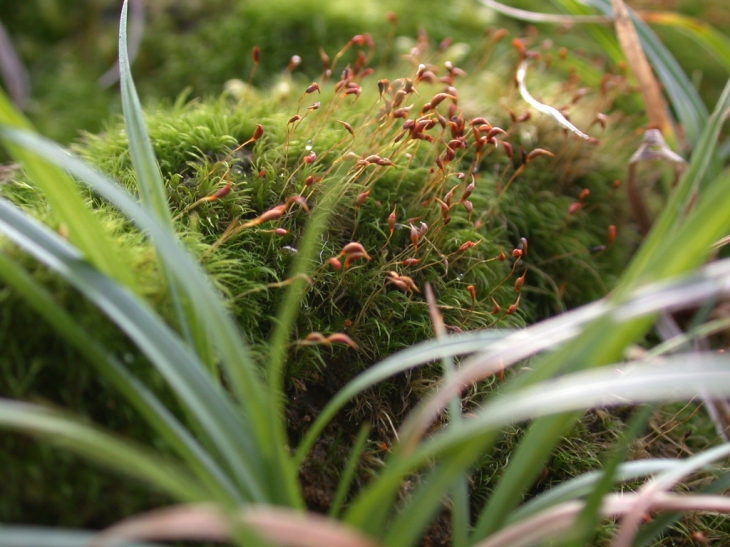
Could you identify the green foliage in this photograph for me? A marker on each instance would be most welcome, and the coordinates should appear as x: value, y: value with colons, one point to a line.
x: 322, y: 224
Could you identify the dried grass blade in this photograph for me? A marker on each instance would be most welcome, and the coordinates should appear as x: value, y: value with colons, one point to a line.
x: 544, y: 108
x: 535, y: 17
x: 656, y: 107
x: 203, y: 522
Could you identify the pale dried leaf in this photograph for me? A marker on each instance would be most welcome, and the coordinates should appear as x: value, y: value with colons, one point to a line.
x: 205, y: 522
x: 544, y: 108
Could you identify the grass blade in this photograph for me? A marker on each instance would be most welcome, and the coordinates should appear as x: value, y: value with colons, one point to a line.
x: 636, y: 58
x: 149, y: 179
x: 213, y: 411
x: 422, y: 353
x: 143, y: 400
x: 583, y: 485
x: 583, y: 531
x: 12, y: 71
x: 684, y: 98
x: 39, y: 536
x: 706, y: 36
x: 153, y: 192
x: 239, y: 365
x: 82, y: 439
x: 83, y: 228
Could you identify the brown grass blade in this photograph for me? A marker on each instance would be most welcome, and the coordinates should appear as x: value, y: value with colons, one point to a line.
x: 656, y: 108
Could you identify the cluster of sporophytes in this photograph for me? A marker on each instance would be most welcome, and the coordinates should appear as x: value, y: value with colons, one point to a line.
x: 442, y: 175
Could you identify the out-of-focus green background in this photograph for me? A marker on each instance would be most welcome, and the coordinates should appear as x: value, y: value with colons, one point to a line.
x: 67, y: 45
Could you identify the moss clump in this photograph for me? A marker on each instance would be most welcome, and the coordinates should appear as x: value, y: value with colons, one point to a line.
x: 505, y: 216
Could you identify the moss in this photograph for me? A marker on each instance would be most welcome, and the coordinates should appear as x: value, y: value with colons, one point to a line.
x: 516, y: 227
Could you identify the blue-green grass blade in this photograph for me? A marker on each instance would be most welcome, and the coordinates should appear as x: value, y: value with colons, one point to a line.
x: 40, y: 536
x: 683, y: 96
x: 93, y: 444
x: 149, y: 178
x: 660, y: 257
x: 236, y: 358
x: 155, y: 414
x: 154, y: 194
x: 675, y: 209
x: 202, y: 397
x: 69, y: 207
x: 714, y: 42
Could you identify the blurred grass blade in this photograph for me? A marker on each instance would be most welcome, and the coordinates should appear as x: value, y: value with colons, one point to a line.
x: 460, y: 511
x: 584, y: 529
x: 535, y: 17
x: 82, y: 439
x: 677, y: 378
x: 660, y: 484
x: 551, y: 525
x: 149, y: 179
x: 658, y: 526
x: 271, y: 525
x: 583, y: 485
x: 136, y: 33
x: 636, y: 59
x: 705, y: 35
x: 348, y: 473
x: 143, y: 400
x: 12, y: 71
x: 458, y: 448
x: 239, y: 365
x: 683, y: 96
x: 69, y: 208
x: 202, y: 398
x: 40, y: 536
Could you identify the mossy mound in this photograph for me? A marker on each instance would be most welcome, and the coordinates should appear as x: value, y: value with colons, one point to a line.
x: 505, y: 215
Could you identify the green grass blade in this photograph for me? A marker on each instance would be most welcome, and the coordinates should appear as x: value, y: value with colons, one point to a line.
x: 279, y: 341
x: 419, y: 354
x: 240, y: 366
x: 84, y: 440
x: 706, y: 36
x: 84, y: 229
x: 149, y: 179
x: 144, y: 401
x: 200, y: 395
x: 153, y: 192
x: 649, y: 533
x: 685, y: 100
x: 659, y: 258
x: 459, y: 447
x: 676, y: 206
x: 583, y: 531
x: 348, y: 473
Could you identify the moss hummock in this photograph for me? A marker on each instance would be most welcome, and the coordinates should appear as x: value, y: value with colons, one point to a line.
x: 442, y: 177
